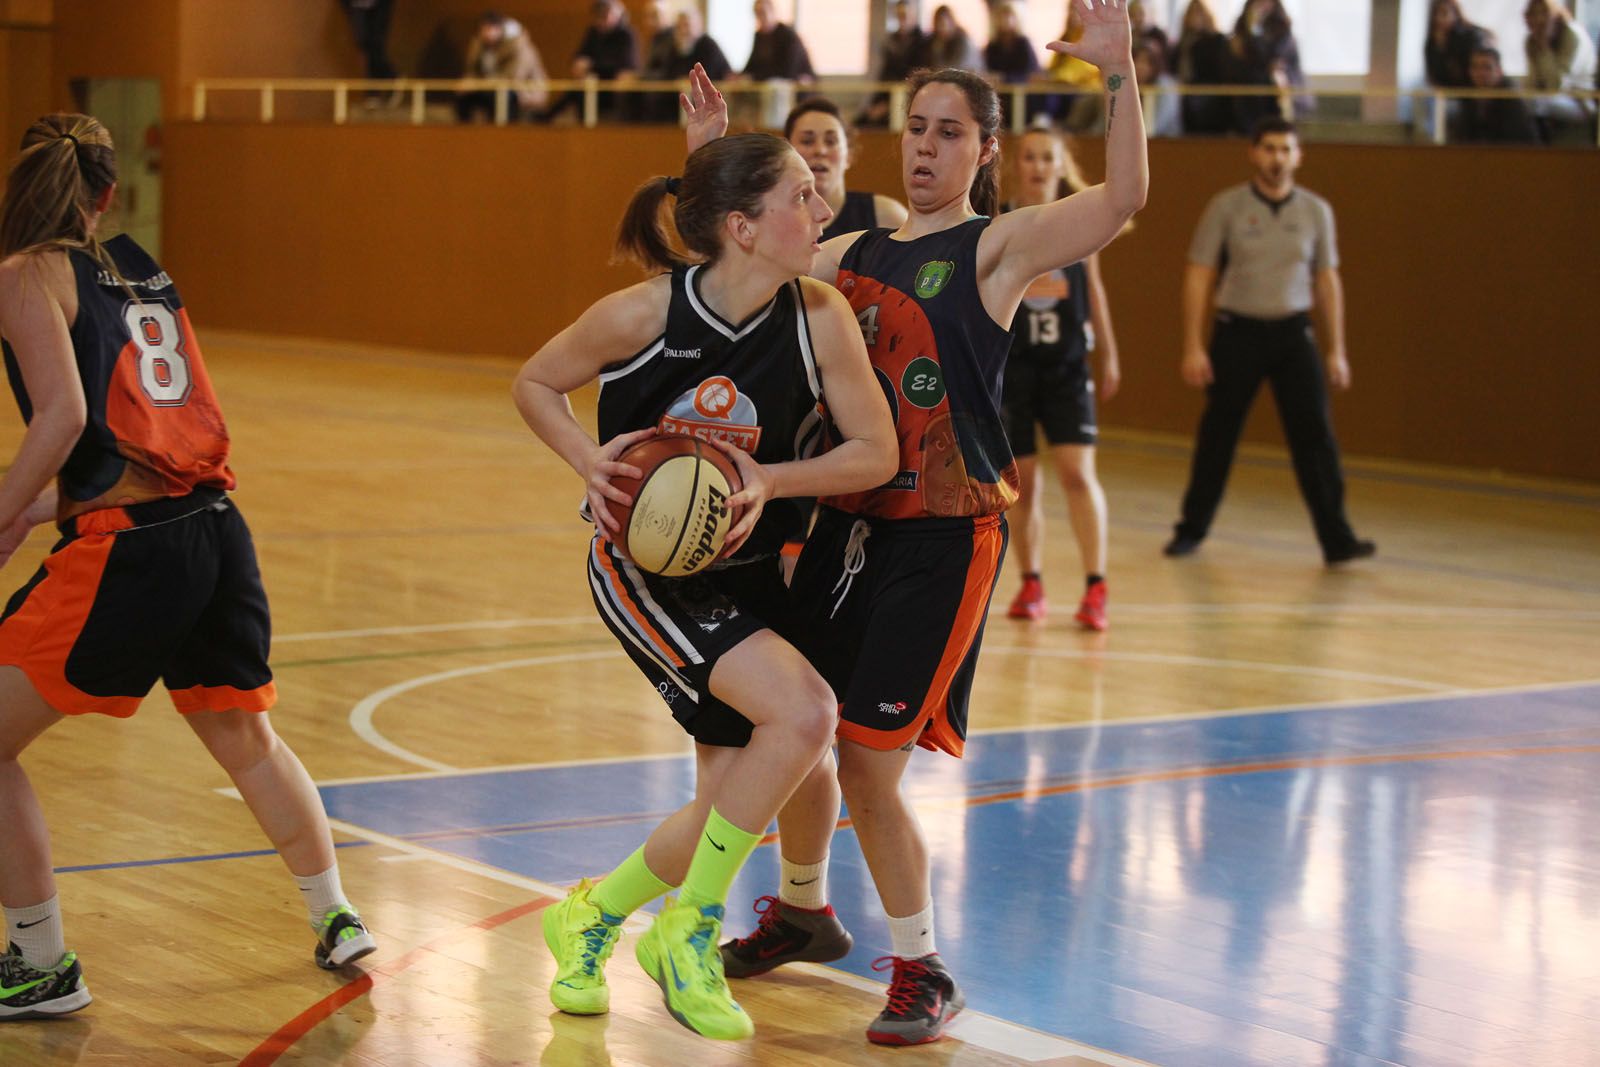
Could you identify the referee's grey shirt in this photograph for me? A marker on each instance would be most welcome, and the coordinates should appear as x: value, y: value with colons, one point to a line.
x: 1266, y: 254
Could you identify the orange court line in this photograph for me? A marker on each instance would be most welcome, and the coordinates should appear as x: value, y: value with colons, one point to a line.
x: 292, y: 1031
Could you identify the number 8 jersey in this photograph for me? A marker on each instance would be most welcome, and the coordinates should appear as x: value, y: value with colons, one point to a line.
x: 939, y: 359
x: 154, y: 427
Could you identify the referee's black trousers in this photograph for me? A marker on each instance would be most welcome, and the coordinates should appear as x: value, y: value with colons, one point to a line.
x: 1245, y: 351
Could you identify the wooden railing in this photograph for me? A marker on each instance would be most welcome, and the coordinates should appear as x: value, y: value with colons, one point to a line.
x: 770, y: 100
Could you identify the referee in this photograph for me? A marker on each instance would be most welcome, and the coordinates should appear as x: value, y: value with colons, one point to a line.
x: 1265, y: 251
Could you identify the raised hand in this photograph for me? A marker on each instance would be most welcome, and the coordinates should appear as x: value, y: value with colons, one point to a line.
x: 1107, y: 40
x: 706, y: 110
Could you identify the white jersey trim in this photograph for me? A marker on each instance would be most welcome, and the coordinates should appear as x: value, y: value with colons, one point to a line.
x: 714, y: 320
x: 636, y: 362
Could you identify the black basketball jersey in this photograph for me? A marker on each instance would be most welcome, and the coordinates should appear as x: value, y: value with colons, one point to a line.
x: 940, y: 360
x: 154, y: 426
x: 860, y: 212
x: 754, y: 385
x: 1052, y: 322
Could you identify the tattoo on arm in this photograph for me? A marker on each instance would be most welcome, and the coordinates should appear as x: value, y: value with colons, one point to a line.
x: 1113, y: 83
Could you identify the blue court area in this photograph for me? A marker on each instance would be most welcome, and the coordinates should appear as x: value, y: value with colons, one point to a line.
x: 1414, y: 883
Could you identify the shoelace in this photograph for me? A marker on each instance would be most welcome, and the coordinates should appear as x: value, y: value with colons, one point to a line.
x: 597, y: 943
x: 855, y: 557
x: 704, y: 943
x: 767, y: 908
x: 904, y: 991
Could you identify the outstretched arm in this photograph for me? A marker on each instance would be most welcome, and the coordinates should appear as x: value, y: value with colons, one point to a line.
x: 705, y: 108
x: 1021, y: 245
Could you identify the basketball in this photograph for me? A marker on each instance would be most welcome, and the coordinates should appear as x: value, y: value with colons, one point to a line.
x: 680, y: 514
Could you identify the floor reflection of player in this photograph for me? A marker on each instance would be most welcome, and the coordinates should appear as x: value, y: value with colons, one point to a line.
x: 733, y: 324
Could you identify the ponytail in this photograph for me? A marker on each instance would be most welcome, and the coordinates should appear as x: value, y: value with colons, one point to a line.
x: 67, y: 163
x: 639, y: 234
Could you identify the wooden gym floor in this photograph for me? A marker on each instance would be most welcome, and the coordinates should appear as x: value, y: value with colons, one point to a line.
x: 1277, y: 815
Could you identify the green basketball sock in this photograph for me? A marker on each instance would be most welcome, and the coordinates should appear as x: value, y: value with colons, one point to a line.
x: 628, y: 888
x: 722, y: 850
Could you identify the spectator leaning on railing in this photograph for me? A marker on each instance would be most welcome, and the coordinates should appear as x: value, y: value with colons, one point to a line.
x: 500, y: 49
x: 1156, y: 90
x: 1080, y: 109
x: 1009, y: 55
x: 1264, y: 52
x: 1201, y: 58
x: 608, y: 50
x: 777, y: 53
x: 1496, y: 120
x: 1560, y: 56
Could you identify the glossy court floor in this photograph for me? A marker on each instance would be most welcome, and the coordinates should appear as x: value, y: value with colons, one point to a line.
x: 1278, y: 815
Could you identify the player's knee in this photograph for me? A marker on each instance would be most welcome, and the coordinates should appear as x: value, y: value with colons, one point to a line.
x: 815, y: 718
x: 240, y: 742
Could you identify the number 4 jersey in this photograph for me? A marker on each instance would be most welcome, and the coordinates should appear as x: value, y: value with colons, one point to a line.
x: 154, y: 427
x: 939, y: 359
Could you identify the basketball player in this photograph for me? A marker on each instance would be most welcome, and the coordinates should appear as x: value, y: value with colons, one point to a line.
x: 815, y: 129
x: 154, y: 576
x: 1048, y: 385
x: 732, y: 344
x: 894, y: 584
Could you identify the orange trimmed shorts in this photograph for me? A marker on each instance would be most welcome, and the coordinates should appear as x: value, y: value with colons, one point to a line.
x: 891, y: 613
x: 165, y: 590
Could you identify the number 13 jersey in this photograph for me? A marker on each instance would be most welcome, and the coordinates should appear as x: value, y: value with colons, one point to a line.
x: 154, y: 427
x: 940, y: 360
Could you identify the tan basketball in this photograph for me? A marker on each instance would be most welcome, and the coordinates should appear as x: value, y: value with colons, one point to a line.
x: 680, y: 515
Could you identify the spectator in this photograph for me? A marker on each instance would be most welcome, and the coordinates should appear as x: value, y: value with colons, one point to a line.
x: 1495, y: 120
x: 777, y: 53
x: 691, y: 45
x: 1143, y: 31
x: 1157, y: 90
x: 608, y: 51
x: 950, y: 45
x: 1452, y: 40
x: 500, y: 49
x: 1201, y: 58
x: 1079, y: 109
x: 369, y: 23
x: 905, y: 49
x: 1263, y: 52
x: 1560, y: 56
x: 1010, y: 57
x: 1263, y: 258
x: 656, y: 34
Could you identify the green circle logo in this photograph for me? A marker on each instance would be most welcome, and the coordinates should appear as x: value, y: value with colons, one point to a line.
x: 922, y: 384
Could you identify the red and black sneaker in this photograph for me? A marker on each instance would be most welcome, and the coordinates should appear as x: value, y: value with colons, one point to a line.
x: 786, y: 934
x: 923, y: 997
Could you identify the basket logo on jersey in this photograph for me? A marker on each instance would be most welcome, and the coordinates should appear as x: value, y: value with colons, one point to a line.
x: 163, y: 365
x: 923, y: 383
x: 1047, y: 289
x: 933, y: 276
x: 714, y: 410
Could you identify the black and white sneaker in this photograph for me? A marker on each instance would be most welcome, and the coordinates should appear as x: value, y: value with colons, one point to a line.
x: 26, y: 992
x: 342, y: 939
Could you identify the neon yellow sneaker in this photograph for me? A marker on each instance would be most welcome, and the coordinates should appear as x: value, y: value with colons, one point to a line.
x: 680, y: 952
x: 581, y: 938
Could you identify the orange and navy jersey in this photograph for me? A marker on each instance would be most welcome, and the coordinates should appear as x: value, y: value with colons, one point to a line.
x: 939, y: 359
x: 753, y: 384
x: 154, y: 428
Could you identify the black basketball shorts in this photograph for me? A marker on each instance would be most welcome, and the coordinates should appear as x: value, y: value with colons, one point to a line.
x: 891, y: 613
x: 165, y: 590
x: 675, y: 630
x: 1057, y: 396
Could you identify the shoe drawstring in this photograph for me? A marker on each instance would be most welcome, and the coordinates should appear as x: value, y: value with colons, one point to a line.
x: 855, y: 557
x: 903, y: 989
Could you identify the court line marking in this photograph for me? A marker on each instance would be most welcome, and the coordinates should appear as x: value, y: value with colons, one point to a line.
x: 1321, y: 609
x: 362, y: 716
x: 984, y: 1031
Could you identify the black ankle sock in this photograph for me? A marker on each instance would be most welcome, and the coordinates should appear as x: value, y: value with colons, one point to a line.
x: 1033, y: 576
x: 1094, y: 580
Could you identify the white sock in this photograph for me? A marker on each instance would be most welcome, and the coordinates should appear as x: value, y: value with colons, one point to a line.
x: 805, y: 885
x: 322, y: 894
x: 912, y: 936
x: 36, y: 932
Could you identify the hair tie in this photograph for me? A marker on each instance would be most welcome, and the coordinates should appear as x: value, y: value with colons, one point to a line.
x: 673, y: 184
x: 69, y: 137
